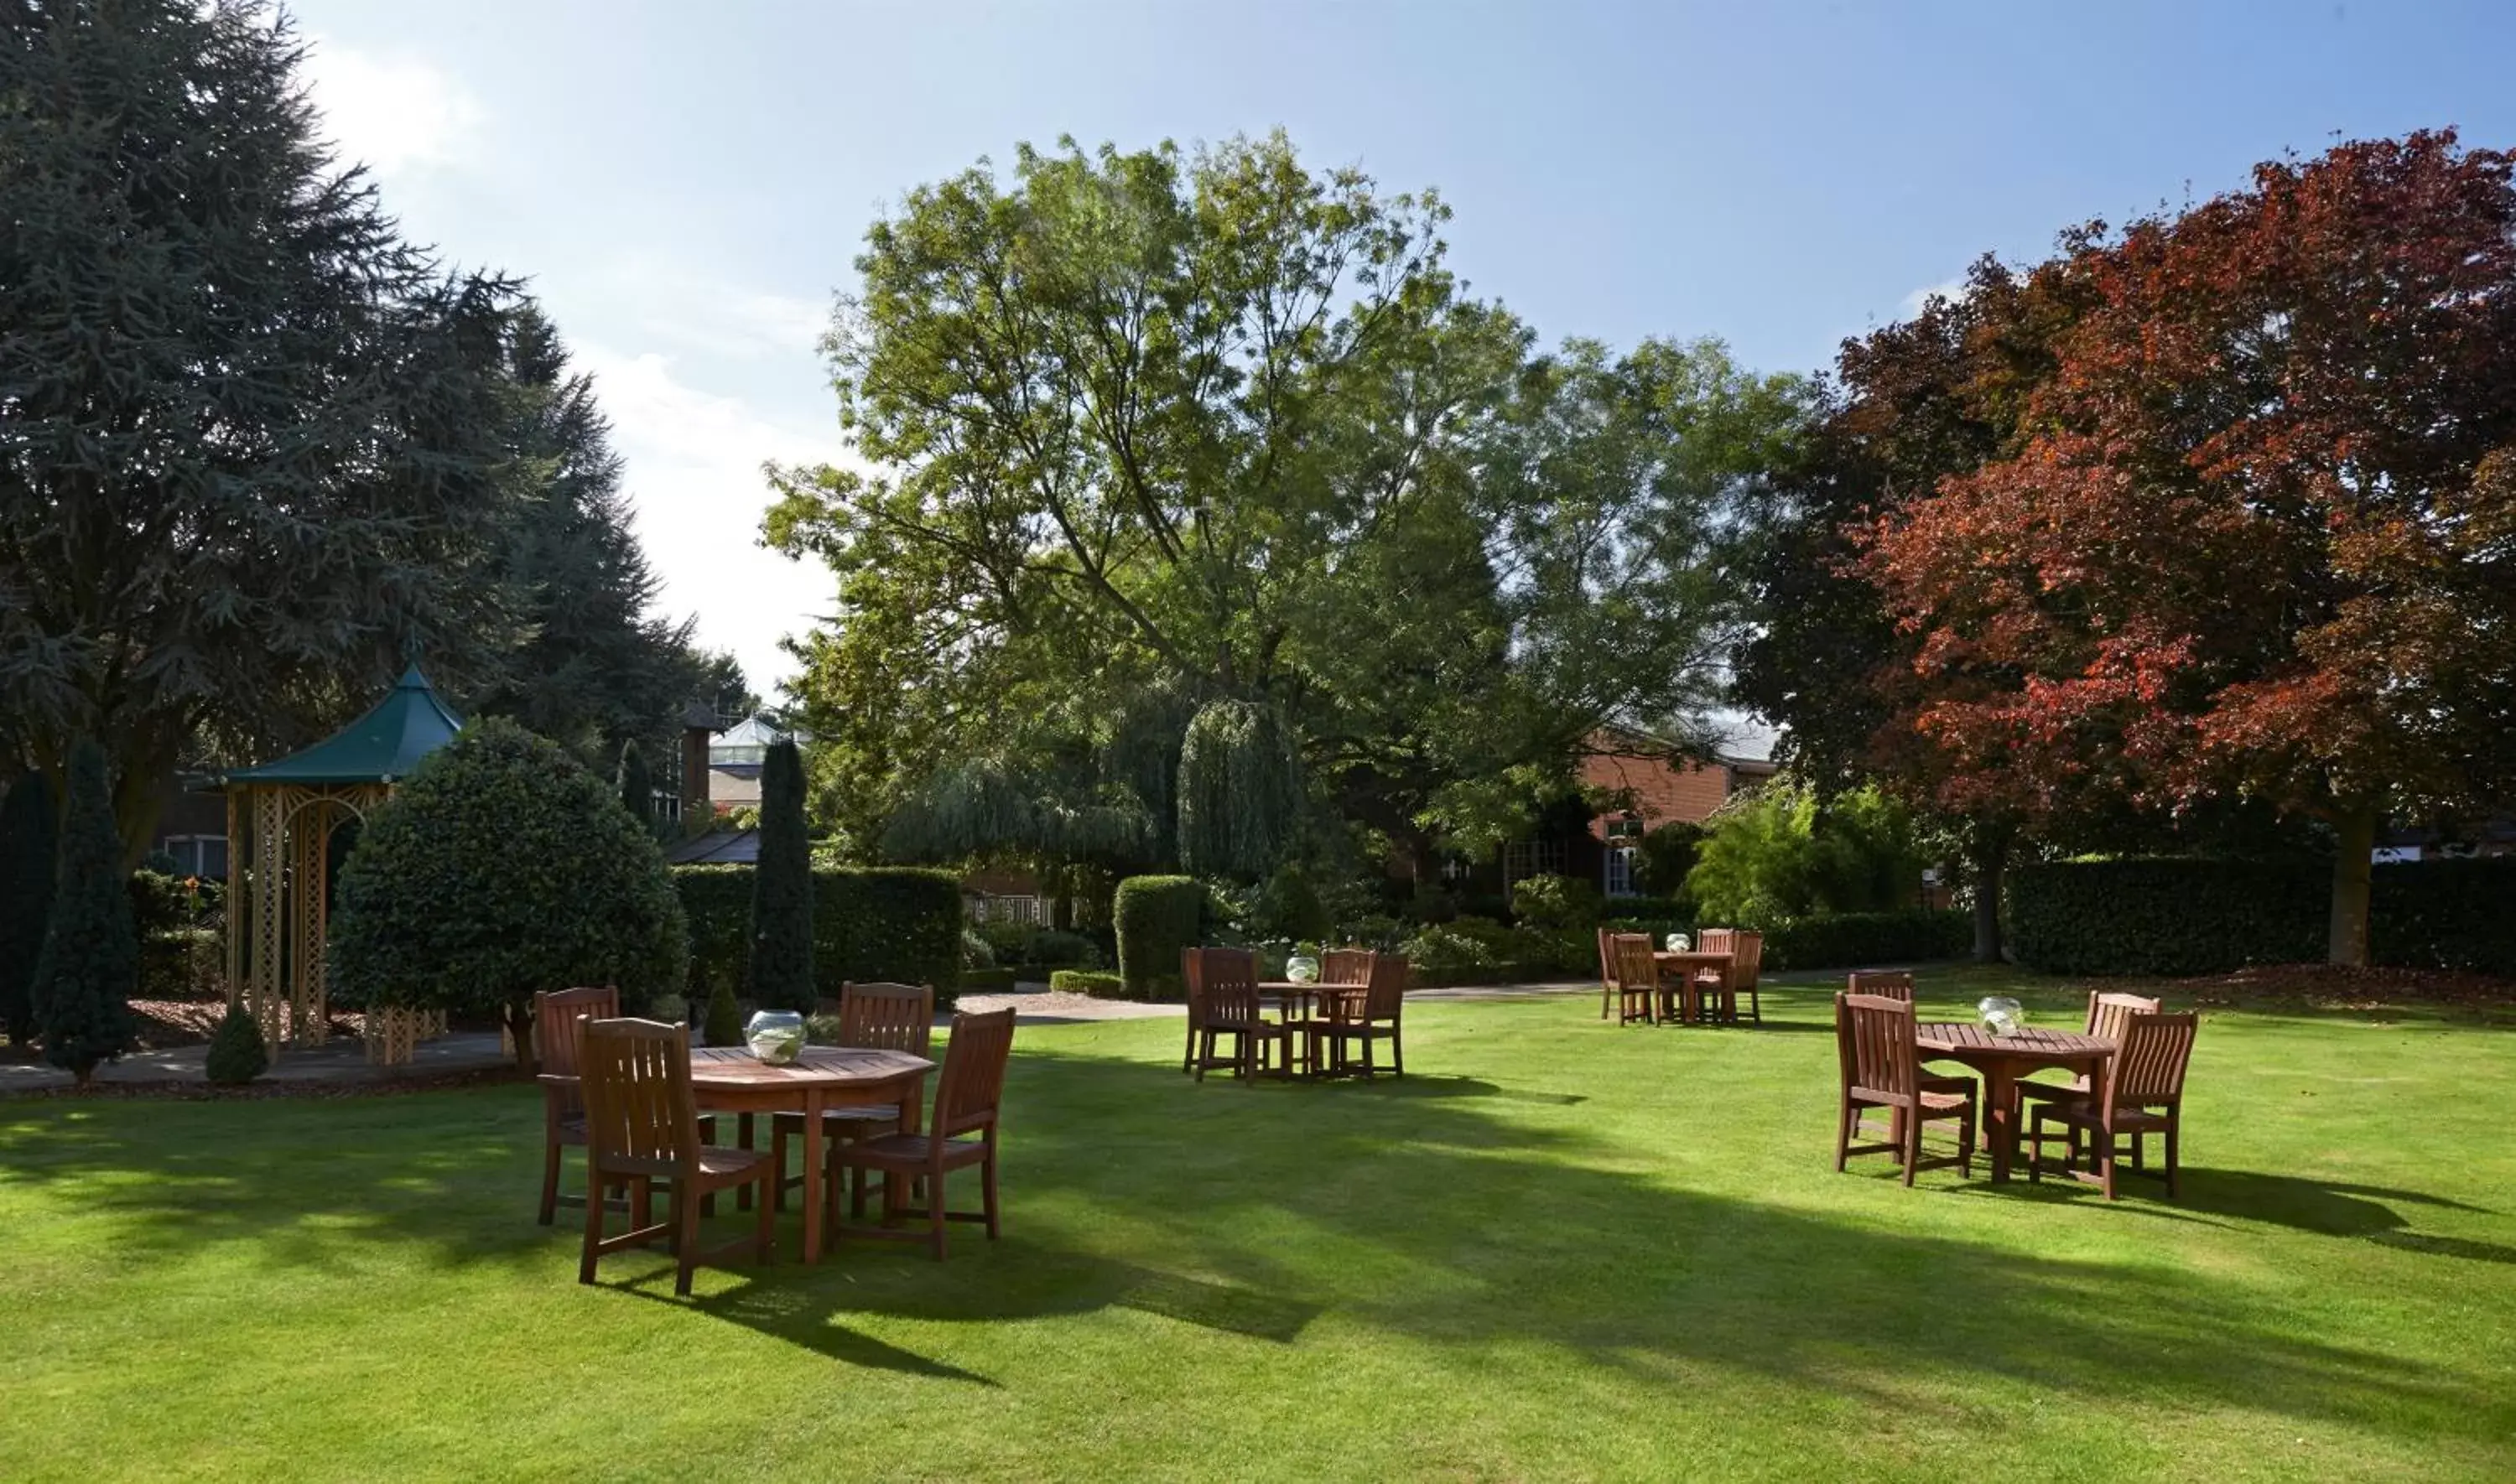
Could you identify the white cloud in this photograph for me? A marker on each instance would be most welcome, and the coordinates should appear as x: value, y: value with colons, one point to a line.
x: 693, y: 459
x: 1912, y: 304
x: 393, y: 114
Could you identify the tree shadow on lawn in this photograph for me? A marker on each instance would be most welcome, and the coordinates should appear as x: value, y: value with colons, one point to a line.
x: 2229, y: 1198
x: 1449, y: 1214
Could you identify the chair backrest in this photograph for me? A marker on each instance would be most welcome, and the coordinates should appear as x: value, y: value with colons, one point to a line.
x: 1876, y: 1038
x: 1607, y: 958
x: 639, y: 1116
x: 2107, y: 1011
x: 1746, y: 958
x: 1713, y: 940
x: 1222, y: 984
x: 887, y: 1017
x: 1346, y: 965
x: 973, y: 1072
x: 1887, y: 984
x: 2148, y: 1064
x: 1631, y: 953
x: 555, y: 1033
x: 1386, y: 997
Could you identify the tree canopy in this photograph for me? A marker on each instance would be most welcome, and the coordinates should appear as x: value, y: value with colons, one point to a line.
x: 1159, y: 431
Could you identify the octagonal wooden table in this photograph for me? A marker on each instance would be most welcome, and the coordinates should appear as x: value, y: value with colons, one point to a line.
x: 727, y: 1078
x: 2003, y: 1060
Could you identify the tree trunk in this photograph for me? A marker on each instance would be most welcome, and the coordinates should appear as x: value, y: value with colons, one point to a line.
x: 2347, y: 943
x: 1988, y: 859
x: 518, y: 1015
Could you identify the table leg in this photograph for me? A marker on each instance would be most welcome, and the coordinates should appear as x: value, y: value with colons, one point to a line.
x: 742, y: 1139
x: 1999, y: 1133
x: 812, y: 1172
x: 895, y: 1188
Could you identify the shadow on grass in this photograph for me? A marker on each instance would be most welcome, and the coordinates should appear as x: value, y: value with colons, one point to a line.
x: 1450, y: 1210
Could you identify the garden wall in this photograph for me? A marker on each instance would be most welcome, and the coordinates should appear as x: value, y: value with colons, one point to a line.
x: 2196, y: 917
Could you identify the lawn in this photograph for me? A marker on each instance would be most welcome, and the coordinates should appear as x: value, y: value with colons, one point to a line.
x: 1561, y: 1250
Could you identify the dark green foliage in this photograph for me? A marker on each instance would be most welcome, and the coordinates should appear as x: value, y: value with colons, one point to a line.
x: 781, y: 971
x: 1669, y: 852
x: 1289, y: 907
x: 91, y: 957
x: 2152, y: 916
x: 1874, y: 940
x: 988, y: 982
x: 163, y: 903
x: 1027, y: 945
x: 236, y: 1054
x: 724, y: 1022
x: 636, y: 783
x: 1089, y: 981
x: 251, y: 445
x: 28, y: 842
x: 1556, y: 902
x: 882, y: 923
x: 1157, y: 916
x: 181, y: 964
x: 500, y: 867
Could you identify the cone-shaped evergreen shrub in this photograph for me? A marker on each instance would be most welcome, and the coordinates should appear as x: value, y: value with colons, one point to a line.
x: 724, y: 1025
x: 781, y: 888
x: 236, y: 1054
x: 637, y: 784
x: 30, y: 838
x: 91, y: 956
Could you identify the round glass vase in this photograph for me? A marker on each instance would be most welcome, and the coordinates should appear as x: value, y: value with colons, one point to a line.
x: 774, y: 1036
x: 2002, y: 1015
x: 1302, y: 969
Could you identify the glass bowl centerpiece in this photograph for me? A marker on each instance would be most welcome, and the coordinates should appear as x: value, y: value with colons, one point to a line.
x: 1303, y: 967
x: 775, y: 1036
x: 2004, y: 1015
x: 1679, y: 942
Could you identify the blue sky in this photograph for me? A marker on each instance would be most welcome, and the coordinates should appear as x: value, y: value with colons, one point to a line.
x: 687, y: 184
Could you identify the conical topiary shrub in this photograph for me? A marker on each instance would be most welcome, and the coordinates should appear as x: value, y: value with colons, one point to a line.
x: 236, y: 1054
x: 781, y: 888
x: 29, y: 843
x: 91, y: 957
x: 724, y: 1025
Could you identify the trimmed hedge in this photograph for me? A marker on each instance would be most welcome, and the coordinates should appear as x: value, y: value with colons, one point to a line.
x: 1157, y: 917
x: 1840, y: 939
x: 868, y: 923
x: 2152, y: 916
x: 986, y: 981
x: 1088, y: 982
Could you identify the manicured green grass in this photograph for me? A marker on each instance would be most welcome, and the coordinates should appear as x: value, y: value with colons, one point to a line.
x: 1560, y: 1249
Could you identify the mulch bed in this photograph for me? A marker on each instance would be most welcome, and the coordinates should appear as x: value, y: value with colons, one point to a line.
x: 2333, y: 986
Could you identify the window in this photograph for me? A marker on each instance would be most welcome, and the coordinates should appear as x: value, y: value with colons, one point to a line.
x: 202, y: 856
x: 1619, y: 870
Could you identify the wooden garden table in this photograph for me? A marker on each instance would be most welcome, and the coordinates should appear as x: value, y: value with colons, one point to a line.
x: 2003, y: 1060
x: 729, y: 1079
x: 1297, y: 1000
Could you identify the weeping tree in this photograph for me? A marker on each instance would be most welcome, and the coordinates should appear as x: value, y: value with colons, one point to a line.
x: 29, y: 839
x: 781, y: 888
x: 91, y: 957
x: 1240, y: 791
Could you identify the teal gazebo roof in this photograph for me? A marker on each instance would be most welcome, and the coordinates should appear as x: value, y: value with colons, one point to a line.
x: 381, y: 746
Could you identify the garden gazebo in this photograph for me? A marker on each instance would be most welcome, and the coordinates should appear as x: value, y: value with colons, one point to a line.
x: 283, y: 818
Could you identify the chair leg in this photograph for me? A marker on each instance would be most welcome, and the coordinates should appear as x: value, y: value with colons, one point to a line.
x: 550, y: 1181
x: 935, y: 1216
x: 1912, y: 1143
x: 764, y: 1237
x: 686, y: 1238
x: 987, y: 1190
x: 2174, y: 1120
x: 642, y: 1202
x: 1397, y: 1050
x: 2108, y: 1135
x: 594, y: 1206
x: 1965, y: 1143
x: 2035, y: 1148
x: 1844, y: 1119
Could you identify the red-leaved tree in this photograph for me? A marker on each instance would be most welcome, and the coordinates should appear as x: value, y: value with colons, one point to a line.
x: 2262, y: 534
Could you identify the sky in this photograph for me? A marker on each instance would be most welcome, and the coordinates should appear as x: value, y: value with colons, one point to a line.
x: 687, y: 186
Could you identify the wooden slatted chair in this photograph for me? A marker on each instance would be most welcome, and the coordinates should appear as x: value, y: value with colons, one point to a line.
x: 1609, y: 987
x: 1636, y: 976
x: 642, y: 1127
x: 1348, y: 969
x: 1721, y: 985
x: 968, y: 1099
x: 2141, y: 1093
x: 1875, y: 1042
x: 1891, y: 983
x: 1377, y: 1014
x: 557, y: 1048
x: 882, y: 1018
x: 1705, y: 978
x: 2107, y: 1012
x: 1223, y: 1001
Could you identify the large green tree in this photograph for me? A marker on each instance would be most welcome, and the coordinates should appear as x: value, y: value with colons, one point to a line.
x: 1158, y: 433
x: 247, y: 445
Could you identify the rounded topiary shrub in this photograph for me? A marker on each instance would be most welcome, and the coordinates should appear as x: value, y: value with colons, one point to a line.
x: 236, y: 1054
x: 501, y: 867
x: 1156, y: 917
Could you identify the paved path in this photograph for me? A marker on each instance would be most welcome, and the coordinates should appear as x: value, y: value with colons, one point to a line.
x: 1038, y: 1004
